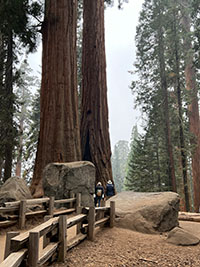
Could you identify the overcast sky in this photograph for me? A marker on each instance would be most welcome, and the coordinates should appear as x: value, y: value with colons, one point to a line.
x: 120, y: 26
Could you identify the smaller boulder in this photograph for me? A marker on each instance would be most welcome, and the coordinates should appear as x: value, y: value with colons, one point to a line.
x: 181, y: 237
x: 14, y: 189
x: 59, y: 179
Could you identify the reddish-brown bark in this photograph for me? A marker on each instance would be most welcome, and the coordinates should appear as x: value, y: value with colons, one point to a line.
x: 59, y: 138
x: 193, y: 108
x: 95, y: 140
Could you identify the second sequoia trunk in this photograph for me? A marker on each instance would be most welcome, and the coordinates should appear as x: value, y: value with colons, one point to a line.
x: 95, y: 140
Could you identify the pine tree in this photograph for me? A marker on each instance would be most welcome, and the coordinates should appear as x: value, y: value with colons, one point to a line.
x: 152, y: 88
x: 25, y: 115
x: 166, y: 67
x: 15, y: 28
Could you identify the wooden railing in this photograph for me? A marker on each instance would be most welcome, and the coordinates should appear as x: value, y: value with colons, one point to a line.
x: 17, y: 211
x: 48, y: 242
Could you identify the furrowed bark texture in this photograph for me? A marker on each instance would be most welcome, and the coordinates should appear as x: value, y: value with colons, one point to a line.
x: 95, y: 140
x: 59, y: 138
x: 193, y: 108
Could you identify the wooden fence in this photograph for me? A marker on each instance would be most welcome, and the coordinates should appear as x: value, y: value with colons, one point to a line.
x: 17, y: 211
x: 25, y: 249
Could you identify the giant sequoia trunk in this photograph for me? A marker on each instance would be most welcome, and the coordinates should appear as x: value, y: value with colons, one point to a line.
x: 95, y: 139
x: 193, y: 108
x: 59, y: 138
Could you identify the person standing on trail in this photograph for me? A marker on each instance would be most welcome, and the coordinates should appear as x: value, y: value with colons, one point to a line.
x: 110, y: 191
x: 99, y: 194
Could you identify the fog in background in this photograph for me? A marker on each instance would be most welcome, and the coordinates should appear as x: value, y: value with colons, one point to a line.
x: 120, y: 29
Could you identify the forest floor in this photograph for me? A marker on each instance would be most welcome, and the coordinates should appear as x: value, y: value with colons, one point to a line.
x: 119, y: 247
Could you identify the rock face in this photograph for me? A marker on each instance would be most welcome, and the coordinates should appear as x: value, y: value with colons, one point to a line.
x: 147, y: 212
x: 61, y: 178
x: 181, y: 237
x: 13, y: 189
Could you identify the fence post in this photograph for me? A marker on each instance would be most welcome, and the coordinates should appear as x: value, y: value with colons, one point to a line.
x: 78, y: 211
x: 46, y: 239
x: 51, y: 206
x: 22, y: 214
x: 103, y: 203
x: 9, y: 235
x: 62, y: 224
x: 91, y: 223
x: 78, y: 203
x: 71, y: 195
x: 112, y: 213
x: 33, y: 249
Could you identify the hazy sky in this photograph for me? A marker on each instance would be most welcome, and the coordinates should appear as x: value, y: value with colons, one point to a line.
x: 120, y: 28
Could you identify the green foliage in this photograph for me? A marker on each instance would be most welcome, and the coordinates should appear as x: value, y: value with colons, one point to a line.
x: 145, y: 172
x: 27, y: 117
x: 19, y: 26
x: 15, y: 15
x: 119, y: 163
x: 160, y: 23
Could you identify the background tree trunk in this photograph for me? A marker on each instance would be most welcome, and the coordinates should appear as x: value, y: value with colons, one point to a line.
x: 95, y: 140
x: 180, y: 112
x: 193, y: 108
x: 59, y: 138
x: 164, y: 88
x: 9, y: 99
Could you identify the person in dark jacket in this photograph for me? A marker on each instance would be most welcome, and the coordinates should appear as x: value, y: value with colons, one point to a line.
x: 110, y: 191
x: 99, y: 194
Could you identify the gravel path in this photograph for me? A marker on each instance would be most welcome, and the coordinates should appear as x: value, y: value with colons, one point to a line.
x: 121, y: 247
x: 118, y: 247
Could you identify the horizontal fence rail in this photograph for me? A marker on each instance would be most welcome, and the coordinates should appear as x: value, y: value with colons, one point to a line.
x: 48, y: 242
x: 17, y: 211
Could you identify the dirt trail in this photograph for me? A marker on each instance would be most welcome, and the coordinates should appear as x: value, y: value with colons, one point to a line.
x: 125, y: 248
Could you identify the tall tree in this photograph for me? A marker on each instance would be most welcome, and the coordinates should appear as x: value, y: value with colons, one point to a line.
x: 59, y: 138
x: 95, y: 141
x: 176, y: 47
x: 26, y: 83
x: 15, y: 28
x: 193, y: 107
x: 164, y: 86
x: 32, y: 137
x: 152, y: 87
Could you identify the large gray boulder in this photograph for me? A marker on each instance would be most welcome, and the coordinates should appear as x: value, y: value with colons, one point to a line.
x: 13, y: 189
x: 59, y: 179
x: 147, y: 212
x: 181, y: 237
